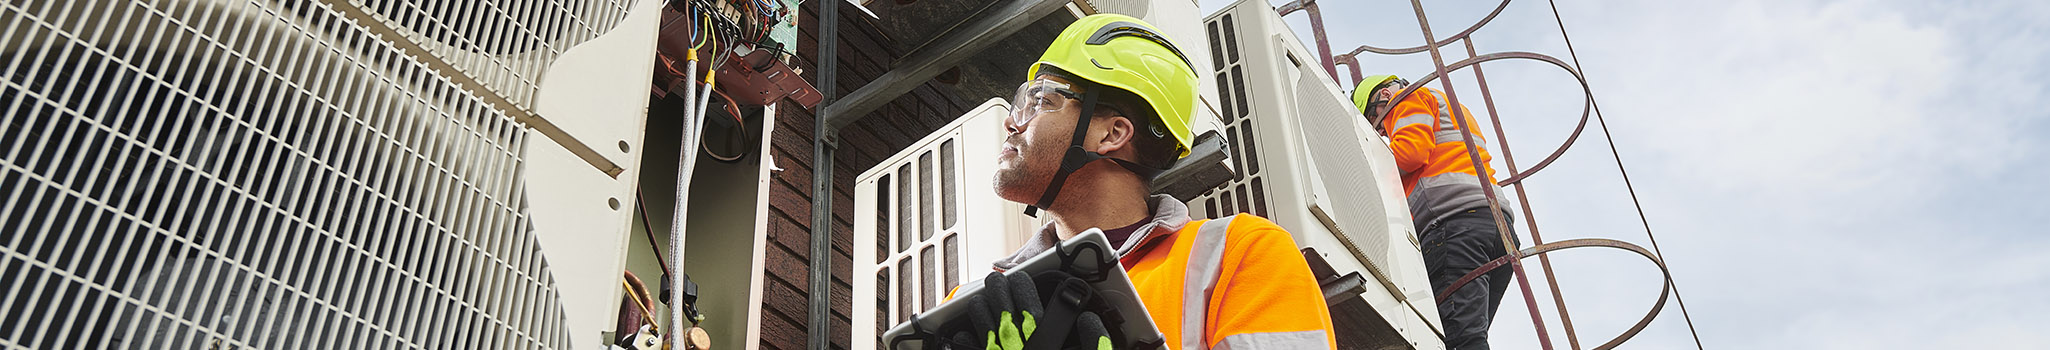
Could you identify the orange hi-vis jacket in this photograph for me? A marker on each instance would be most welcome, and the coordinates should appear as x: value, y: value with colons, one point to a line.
x: 1231, y: 283
x: 1437, y: 172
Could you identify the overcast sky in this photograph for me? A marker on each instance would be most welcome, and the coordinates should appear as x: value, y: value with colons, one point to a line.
x: 1820, y: 174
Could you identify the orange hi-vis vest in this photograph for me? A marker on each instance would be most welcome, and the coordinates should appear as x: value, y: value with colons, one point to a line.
x: 1437, y: 172
x: 1231, y: 283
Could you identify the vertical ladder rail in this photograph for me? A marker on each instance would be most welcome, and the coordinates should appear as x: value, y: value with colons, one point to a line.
x: 1486, y: 179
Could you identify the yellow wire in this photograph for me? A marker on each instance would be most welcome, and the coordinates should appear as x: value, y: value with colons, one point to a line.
x: 646, y: 314
x: 709, y: 34
x: 712, y: 36
x: 710, y: 74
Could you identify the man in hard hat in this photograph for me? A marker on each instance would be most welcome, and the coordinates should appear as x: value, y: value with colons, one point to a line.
x: 1104, y: 109
x: 1446, y: 201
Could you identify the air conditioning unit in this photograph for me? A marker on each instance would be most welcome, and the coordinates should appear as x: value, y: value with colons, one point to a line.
x: 1312, y: 165
x: 926, y: 221
x: 258, y: 175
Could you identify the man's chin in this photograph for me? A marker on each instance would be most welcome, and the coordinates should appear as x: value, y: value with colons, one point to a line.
x: 1012, y: 189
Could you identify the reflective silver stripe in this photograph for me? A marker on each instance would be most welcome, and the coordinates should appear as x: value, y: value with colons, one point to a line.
x: 1310, y: 339
x: 1445, y: 121
x: 1438, y: 196
x: 1204, y: 266
x: 1413, y: 119
x: 1452, y: 135
x: 1448, y: 128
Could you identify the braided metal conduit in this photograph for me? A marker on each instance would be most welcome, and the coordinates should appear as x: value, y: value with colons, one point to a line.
x: 1513, y: 257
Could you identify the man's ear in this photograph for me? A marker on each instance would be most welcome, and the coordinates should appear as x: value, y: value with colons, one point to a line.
x: 1117, y: 133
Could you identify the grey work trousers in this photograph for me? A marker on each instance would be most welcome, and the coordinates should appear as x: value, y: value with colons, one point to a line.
x: 1452, y: 247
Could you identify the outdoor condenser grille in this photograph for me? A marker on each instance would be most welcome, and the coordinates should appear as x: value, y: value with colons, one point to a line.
x: 1313, y: 166
x: 1247, y: 191
x: 935, y: 222
x: 263, y: 175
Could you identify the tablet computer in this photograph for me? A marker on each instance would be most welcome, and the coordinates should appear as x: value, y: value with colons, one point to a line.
x: 1088, y: 256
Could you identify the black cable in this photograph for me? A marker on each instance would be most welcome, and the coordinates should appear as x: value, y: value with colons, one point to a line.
x: 739, y: 132
x: 642, y: 206
x: 1626, y: 173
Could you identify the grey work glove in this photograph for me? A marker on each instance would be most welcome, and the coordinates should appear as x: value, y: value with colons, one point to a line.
x: 1090, y: 330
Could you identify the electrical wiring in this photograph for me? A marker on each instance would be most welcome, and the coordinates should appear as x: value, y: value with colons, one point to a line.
x: 715, y: 33
x: 648, y: 226
x: 698, y: 41
x: 647, y: 315
x: 740, y: 128
x: 686, y: 164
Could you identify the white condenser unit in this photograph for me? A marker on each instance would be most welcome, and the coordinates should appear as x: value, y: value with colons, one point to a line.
x: 926, y: 221
x: 333, y: 174
x: 1312, y: 165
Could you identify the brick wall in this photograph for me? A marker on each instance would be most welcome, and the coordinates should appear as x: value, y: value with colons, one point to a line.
x: 864, y: 54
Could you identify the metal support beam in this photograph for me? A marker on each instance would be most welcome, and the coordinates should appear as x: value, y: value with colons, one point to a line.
x: 1316, y: 28
x: 1474, y: 155
x: 987, y: 27
x: 819, y: 328
x: 1350, y: 60
x: 1202, y: 170
x: 1342, y: 288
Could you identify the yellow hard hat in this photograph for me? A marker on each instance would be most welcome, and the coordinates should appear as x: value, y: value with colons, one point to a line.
x: 1364, y: 93
x: 1127, y: 53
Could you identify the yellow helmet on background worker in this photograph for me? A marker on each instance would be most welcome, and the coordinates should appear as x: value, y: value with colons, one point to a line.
x: 1127, y: 53
x: 1363, y: 94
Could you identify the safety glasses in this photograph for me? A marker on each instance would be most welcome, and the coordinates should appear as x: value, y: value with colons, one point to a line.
x: 1397, y: 84
x: 1036, y: 97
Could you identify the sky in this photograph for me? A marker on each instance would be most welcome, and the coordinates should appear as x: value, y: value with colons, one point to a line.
x: 1862, y: 174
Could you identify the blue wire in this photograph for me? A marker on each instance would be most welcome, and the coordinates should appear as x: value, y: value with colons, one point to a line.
x: 692, y: 16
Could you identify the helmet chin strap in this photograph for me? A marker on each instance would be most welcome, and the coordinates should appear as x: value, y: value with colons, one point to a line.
x: 1077, y: 156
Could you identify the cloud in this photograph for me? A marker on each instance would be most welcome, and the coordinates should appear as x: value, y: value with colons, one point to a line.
x: 1832, y: 174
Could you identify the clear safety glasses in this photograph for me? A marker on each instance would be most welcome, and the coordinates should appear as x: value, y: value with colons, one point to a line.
x: 1036, y: 97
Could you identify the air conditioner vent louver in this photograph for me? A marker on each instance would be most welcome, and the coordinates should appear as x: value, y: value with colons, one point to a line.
x: 935, y: 224
x: 484, y: 25
x: 1350, y: 194
x: 1247, y: 191
x: 1231, y: 39
x: 200, y: 174
x: 925, y: 261
x: 504, y: 45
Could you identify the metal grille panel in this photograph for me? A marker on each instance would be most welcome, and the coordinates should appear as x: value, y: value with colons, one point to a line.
x: 925, y: 265
x: 1246, y: 192
x: 503, y: 45
x: 227, y: 174
x: 1364, y: 228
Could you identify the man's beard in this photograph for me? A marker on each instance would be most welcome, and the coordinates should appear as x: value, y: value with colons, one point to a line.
x: 1021, y: 178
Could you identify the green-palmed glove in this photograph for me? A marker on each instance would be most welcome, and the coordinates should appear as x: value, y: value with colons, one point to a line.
x: 1009, y: 305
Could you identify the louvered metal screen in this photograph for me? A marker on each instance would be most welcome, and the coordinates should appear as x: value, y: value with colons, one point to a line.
x: 917, y: 206
x: 1358, y: 198
x: 928, y: 230
x: 1247, y: 191
x: 255, y: 174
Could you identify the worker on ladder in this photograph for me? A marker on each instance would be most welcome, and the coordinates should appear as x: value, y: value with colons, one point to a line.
x: 1104, y: 109
x: 1445, y: 200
